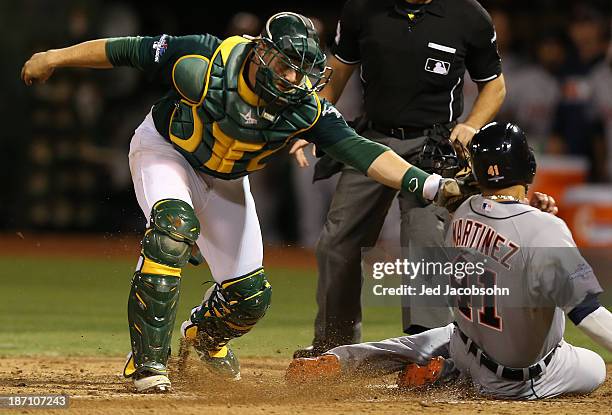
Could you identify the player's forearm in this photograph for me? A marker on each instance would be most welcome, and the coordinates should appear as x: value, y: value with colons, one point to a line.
x: 490, y: 99
x: 91, y: 54
x: 598, y: 326
x: 384, y: 166
x: 393, y: 171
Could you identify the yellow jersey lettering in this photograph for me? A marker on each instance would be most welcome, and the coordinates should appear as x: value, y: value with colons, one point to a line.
x: 226, y: 151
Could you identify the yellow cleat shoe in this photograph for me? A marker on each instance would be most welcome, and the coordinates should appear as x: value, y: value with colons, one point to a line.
x: 221, y: 362
x: 146, y: 381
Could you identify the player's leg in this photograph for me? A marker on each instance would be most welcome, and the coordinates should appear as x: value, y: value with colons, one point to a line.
x: 422, y: 226
x: 572, y: 370
x: 231, y: 243
x: 354, y: 221
x: 373, y: 358
x: 162, y: 180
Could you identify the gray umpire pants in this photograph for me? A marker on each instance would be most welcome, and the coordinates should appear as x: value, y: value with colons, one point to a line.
x: 354, y: 221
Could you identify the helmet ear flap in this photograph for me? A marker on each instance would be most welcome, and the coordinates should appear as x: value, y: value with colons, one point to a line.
x: 532, y: 166
x: 311, y: 29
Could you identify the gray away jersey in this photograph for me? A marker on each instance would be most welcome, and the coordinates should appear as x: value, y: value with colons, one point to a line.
x: 532, y: 255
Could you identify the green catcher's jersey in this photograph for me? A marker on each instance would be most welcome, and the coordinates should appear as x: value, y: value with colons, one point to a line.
x: 212, y: 116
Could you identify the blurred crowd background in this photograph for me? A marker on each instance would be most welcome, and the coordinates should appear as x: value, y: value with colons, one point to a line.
x: 64, y: 144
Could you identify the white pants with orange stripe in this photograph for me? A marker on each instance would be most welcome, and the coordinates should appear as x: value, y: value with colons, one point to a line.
x: 230, y: 238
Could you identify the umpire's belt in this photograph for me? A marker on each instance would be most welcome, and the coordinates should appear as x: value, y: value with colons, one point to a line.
x: 408, y: 133
x: 509, y: 373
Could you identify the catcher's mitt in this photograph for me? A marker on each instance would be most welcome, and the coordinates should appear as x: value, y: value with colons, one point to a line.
x: 467, y: 186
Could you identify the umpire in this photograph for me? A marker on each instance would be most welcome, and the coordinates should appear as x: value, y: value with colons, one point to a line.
x: 413, y: 56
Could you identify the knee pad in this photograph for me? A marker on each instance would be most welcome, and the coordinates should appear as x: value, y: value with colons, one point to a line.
x: 174, y: 229
x: 232, y: 308
x: 153, y: 300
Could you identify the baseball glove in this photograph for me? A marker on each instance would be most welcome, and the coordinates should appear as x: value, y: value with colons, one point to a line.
x: 467, y: 186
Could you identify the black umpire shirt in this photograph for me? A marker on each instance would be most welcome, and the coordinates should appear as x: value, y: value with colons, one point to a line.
x: 413, y: 70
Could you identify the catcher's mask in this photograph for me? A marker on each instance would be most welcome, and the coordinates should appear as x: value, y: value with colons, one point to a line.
x: 439, y: 155
x: 501, y: 156
x: 291, y: 63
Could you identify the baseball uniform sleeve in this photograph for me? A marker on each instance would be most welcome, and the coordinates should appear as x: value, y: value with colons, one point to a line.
x: 333, y: 136
x: 598, y: 325
x: 346, y: 43
x: 562, y: 277
x: 482, y: 59
x: 157, y: 55
x: 582, y: 310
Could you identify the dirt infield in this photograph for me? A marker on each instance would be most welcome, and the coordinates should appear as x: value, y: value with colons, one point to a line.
x: 95, y: 386
x: 124, y: 247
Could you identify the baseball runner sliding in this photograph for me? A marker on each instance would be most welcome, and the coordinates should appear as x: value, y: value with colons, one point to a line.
x: 509, y: 346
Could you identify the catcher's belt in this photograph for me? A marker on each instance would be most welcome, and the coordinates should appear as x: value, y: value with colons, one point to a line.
x: 408, y: 133
x: 510, y: 373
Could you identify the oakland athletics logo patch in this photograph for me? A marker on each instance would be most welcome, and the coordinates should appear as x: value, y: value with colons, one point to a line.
x: 413, y: 184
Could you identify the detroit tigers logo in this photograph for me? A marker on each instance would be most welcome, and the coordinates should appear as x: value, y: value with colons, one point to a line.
x: 160, y: 47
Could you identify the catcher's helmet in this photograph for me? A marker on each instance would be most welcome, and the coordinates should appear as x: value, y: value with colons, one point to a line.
x: 439, y: 156
x: 291, y: 39
x: 501, y: 157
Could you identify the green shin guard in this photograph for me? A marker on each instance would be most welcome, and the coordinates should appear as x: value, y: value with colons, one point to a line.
x: 231, y: 310
x: 152, y: 309
x: 153, y: 301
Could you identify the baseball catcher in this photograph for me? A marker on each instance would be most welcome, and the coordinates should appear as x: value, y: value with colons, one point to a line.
x: 231, y: 104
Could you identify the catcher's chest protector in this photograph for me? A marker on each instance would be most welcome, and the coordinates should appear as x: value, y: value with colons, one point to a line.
x: 216, y: 125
